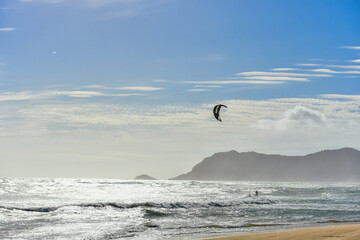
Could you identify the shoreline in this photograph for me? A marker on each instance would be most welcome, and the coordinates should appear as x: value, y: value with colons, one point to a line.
x: 342, y: 232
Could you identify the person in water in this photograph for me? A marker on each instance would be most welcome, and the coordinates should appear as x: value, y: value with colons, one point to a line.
x: 256, y: 193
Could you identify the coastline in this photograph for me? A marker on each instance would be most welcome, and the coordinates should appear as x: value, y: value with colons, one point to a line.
x: 342, y: 232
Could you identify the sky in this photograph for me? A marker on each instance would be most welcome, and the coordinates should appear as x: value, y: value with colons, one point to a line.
x: 118, y: 88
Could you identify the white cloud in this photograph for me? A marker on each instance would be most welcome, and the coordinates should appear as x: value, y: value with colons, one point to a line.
x: 283, y: 69
x: 352, y: 47
x: 18, y: 96
x: 340, y: 96
x: 236, y: 82
x: 6, y: 29
x: 197, y: 90
x: 298, y: 117
x: 345, y: 66
x: 84, y: 94
x: 355, y: 60
x: 140, y: 88
x: 209, y: 86
x: 272, y: 78
x: 53, y: 52
x: 31, y: 95
x: 325, y: 70
x: 308, y: 64
x: 160, y: 80
x: 88, y: 94
x: 286, y: 74
x: 95, y: 86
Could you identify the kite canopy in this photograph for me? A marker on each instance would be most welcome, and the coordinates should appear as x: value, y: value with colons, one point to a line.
x: 216, y: 111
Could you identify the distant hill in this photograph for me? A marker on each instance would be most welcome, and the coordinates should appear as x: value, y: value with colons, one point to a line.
x: 328, y: 165
x: 144, y: 177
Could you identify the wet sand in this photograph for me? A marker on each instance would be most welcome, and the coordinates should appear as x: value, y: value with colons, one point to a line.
x: 343, y: 232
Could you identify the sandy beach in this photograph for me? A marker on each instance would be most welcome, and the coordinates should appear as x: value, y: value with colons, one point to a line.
x: 343, y: 232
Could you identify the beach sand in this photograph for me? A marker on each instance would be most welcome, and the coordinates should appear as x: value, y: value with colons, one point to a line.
x: 343, y: 232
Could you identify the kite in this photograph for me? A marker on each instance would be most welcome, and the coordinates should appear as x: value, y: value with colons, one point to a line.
x: 216, y: 111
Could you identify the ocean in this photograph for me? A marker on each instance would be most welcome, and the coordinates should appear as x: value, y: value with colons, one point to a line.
x: 96, y: 209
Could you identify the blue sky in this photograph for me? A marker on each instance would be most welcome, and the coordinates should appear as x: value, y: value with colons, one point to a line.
x: 128, y: 71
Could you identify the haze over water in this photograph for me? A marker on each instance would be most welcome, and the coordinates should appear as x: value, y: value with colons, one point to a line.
x: 124, y: 209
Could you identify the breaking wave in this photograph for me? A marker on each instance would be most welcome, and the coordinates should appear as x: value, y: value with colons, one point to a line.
x: 143, y: 204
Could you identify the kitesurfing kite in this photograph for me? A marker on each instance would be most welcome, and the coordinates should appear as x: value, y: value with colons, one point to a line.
x: 216, y: 111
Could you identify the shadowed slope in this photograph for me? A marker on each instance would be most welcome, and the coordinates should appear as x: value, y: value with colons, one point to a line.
x: 328, y: 165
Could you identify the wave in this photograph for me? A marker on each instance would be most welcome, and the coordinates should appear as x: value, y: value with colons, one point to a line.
x: 39, y: 209
x: 262, y: 224
x: 143, y: 204
x: 151, y: 213
x: 339, y: 221
x: 216, y: 226
x: 243, y: 226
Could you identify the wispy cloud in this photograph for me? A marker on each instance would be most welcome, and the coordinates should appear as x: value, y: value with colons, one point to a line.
x: 132, y: 88
x: 308, y: 64
x: 325, y: 70
x: 283, y: 69
x: 197, y: 90
x: 340, y: 96
x: 85, y: 94
x: 352, y: 47
x: 6, y: 29
x: 18, y: 96
x: 355, y: 60
x: 140, y: 88
x: 280, y: 78
x: 345, y: 66
x: 236, y: 82
x: 209, y: 86
x: 95, y: 86
x: 160, y: 80
x: 32, y: 95
x: 287, y: 74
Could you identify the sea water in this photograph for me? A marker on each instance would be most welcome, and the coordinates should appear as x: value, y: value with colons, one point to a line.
x: 127, y: 209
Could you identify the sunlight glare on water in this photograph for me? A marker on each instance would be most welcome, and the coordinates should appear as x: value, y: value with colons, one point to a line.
x: 117, y: 209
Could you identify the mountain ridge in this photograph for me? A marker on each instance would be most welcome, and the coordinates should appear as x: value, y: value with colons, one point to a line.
x: 327, y: 165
